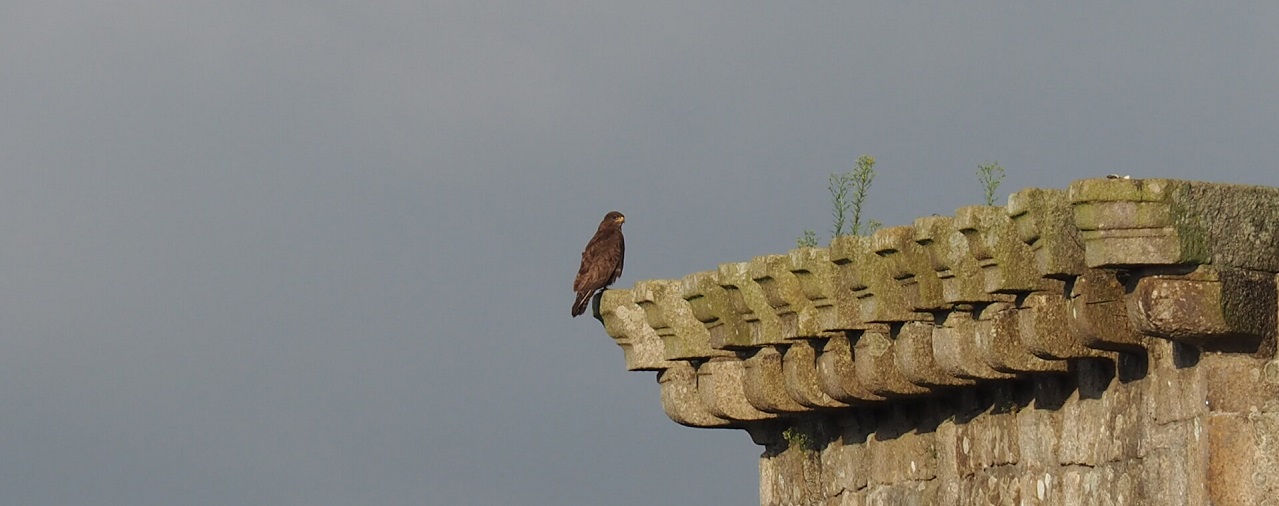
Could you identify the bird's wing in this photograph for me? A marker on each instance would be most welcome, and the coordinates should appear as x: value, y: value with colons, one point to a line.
x: 601, y: 261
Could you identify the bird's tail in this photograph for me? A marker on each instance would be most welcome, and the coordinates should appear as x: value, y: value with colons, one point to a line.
x: 583, y: 298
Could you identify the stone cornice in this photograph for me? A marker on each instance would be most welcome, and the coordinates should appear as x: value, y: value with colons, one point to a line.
x: 989, y: 294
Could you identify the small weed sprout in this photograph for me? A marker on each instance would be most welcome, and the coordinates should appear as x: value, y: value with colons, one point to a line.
x: 798, y: 439
x: 808, y: 240
x: 990, y: 175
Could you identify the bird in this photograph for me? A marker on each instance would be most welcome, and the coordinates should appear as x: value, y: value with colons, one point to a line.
x: 601, y: 261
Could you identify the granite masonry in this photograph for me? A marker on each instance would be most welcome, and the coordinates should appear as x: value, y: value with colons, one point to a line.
x: 1112, y: 343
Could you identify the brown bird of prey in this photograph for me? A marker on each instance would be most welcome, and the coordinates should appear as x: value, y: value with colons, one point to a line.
x: 601, y: 261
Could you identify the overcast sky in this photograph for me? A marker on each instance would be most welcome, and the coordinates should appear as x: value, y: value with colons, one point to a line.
x: 320, y: 253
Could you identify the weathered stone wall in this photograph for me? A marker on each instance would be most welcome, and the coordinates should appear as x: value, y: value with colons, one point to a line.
x: 1109, y: 344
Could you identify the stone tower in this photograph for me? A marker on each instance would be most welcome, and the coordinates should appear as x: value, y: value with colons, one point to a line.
x: 1113, y: 343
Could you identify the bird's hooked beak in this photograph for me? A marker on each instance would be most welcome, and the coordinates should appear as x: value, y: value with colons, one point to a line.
x: 620, y: 219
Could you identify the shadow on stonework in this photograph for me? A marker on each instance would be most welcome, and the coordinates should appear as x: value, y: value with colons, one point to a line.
x: 1132, y: 366
x: 1093, y: 376
x: 1049, y: 392
x: 1184, y: 355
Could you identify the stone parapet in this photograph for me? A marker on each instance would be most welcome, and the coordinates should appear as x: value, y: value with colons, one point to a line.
x: 1113, y: 341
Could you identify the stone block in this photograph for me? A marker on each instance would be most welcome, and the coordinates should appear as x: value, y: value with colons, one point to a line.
x: 1099, y: 313
x: 1240, y: 384
x: 1177, y: 390
x: 996, y: 486
x: 843, y: 467
x: 1243, y: 462
x: 1045, y: 221
x: 1174, y: 476
x: 1039, y: 433
x: 908, y: 265
x: 1170, y: 222
x: 904, y: 456
x: 682, y: 402
x: 627, y: 324
x: 751, y: 303
x: 815, y: 272
x: 720, y: 384
x: 1101, y: 421
x: 844, y: 256
x: 782, y: 292
x: 957, y: 268
x: 876, y: 367
x: 837, y: 373
x: 791, y: 477
x: 765, y: 385
x: 1041, y: 488
x: 799, y: 367
x: 719, y: 312
x: 956, y: 352
x: 682, y: 335
x: 947, y: 442
x: 913, y: 353
x: 1007, y: 263
x: 1211, y: 307
x: 905, y: 494
x: 1044, y: 323
x: 988, y: 440
x: 1111, y: 484
x: 999, y: 343
x: 880, y: 297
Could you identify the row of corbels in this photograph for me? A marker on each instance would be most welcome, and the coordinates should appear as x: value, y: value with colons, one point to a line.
x: 992, y: 293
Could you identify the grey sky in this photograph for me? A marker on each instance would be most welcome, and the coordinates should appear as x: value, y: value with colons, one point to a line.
x: 321, y: 252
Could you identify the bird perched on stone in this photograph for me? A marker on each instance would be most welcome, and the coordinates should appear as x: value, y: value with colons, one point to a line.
x: 601, y: 261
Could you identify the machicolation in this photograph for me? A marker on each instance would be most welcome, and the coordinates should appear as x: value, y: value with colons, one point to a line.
x: 1113, y: 343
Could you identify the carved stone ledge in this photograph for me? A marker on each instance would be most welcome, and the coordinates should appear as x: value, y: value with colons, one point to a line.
x: 813, y: 268
x: 837, y: 373
x: 1213, y: 308
x: 999, y: 342
x: 954, y: 306
x: 799, y: 364
x: 1044, y: 320
x: 955, y: 346
x: 682, y: 335
x: 913, y: 352
x: 876, y: 366
x: 961, y: 276
x: 1045, y: 222
x: 721, y: 385
x: 1099, y: 314
x: 626, y: 323
x: 765, y: 383
x: 1007, y: 263
x: 749, y: 299
x: 681, y: 400
x: 1170, y: 222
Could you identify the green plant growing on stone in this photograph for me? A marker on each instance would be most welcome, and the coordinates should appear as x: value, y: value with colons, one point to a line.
x: 990, y: 175
x: 848, y: 193
x: 798, y: 439
x: 808, y: 240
